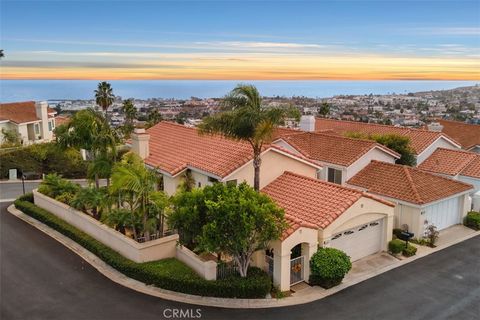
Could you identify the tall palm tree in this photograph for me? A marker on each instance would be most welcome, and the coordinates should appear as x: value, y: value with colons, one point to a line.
x: 132, y: 180
x: 2, y: 55
x: 130, y: 112
x: 245, y: 118
x: 104, y: 96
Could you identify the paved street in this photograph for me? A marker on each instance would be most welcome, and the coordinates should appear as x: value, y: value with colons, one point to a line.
x: 12, y: 190
x: 41, y: 279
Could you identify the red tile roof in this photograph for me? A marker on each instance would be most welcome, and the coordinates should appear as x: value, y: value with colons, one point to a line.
x: 310, y: 202
x: 174, y: 147
x: 333, y: 149
x: 20, y: 112
x: 453, y: 162
x: 468, y: 135
x: 419, y: 139
x: 59, y: 120
x: 406, y: 183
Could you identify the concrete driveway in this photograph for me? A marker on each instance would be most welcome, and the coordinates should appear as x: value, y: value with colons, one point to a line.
x: 41, y: 279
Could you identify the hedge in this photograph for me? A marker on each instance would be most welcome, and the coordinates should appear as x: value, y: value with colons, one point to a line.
x: 472, y: 220
x: 169, y: 274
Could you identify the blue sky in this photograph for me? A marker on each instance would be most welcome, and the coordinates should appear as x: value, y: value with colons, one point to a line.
x: 238, y: 39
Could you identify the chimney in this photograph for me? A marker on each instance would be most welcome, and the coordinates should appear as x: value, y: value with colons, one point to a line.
x: 435, y: 126
x: 140, y: 143
x: 41, y: 109
x: 307, y: 123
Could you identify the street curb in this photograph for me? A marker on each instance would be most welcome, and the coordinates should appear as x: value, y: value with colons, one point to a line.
x: 316, y: 293
x: 36, y: 181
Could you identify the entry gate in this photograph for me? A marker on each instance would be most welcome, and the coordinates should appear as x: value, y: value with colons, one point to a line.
x: 296, y: 270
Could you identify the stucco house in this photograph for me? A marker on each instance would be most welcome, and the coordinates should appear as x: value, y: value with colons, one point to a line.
x: 172, y: 149
x: 340, y: 157
x: 456, y: 164
x: 323, y: 214
x: 34, y: 121
x: 421, y: 198
x: 423, y: 142
x: 468, y: 135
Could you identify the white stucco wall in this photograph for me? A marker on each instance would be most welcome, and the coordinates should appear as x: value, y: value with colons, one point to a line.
x: 139, y: 252
x: 274, y: 165
x: 373, y: 154
x: 474, y: 182
x: 439, y: 143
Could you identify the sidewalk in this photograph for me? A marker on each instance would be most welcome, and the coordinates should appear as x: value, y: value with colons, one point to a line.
x: 362, y: 270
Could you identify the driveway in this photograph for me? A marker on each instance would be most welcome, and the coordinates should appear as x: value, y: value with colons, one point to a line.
x: 41, y: 279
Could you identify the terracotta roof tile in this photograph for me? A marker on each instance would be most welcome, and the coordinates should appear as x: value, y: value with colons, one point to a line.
x: 174, y: 147
x: 331, y: 148
x: 406, y: 183
x: 419, y: 139
x: 453, y: 162
x: 312, y: 202
x: 468, y: 135
x: 20, y: 112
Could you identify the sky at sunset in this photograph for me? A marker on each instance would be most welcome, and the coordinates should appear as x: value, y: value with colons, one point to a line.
x: 238, y: 40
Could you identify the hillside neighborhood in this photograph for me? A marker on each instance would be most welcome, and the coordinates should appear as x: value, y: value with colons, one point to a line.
x: 224, y: 199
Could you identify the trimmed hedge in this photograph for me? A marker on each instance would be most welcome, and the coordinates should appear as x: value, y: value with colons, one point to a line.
x: 472, y: 220
x: 169, y: 274
x: 328, y: 266
x: 396, y: 246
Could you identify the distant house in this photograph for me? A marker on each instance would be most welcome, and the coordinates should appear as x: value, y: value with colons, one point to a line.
x: 423, y: 142
x: 341, y: 157
x: 174, y: 149
x: 33, y: 121
x: 456, y: 164
x: 468, y: 135
x: 421, y: 198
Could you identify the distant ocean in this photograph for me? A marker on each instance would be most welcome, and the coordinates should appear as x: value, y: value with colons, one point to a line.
x: 22, y: 90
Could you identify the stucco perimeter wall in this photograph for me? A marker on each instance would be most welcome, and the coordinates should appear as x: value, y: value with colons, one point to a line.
x: 410, y: 216
x: 138, y: 252
x: 274, y: 164
x: 206, y: 269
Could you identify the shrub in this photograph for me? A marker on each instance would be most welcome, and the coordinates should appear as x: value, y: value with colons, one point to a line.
x: 432, y: 235
x: 409, y: 251
x: 58, y: 188
x: 169, y: 274
x: 44, y: 158
x: 328, y: 267
x: 472, y: 220
x: 396, y: 246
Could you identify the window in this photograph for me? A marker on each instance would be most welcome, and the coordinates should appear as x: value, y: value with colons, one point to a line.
x: 212, y: 180
x: 335, y: 176
x: 232, y: 182
x: 49, y: 125
x: 37, y: 129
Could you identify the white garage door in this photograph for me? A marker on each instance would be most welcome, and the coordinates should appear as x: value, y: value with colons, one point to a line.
x: 360, y: 241
x: 443, y: 214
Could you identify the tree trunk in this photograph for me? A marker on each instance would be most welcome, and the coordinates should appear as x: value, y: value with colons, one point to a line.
x: 257, y: 161
x: 97, y: 181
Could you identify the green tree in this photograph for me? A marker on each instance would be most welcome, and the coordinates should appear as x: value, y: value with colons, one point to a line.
x: 234, y: 220
x: 2, y: 55
x: 89, y: 130
x: 153, y: 117
x: 246, y: 118
x: 395, y: 142
x: 104, y: 96
x: 324, y: 109
x: 11, y: 138
x: 130, y: 112
x: 132, y: 180
x: 91, y: 201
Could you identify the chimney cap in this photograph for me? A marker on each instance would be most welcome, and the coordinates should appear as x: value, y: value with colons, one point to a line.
x: 139, y: 130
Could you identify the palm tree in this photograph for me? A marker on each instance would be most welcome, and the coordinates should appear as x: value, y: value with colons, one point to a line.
x: 90, y: 131
x: 245, y: 118
x: 2, y: 55
x: 104, y: 96
x: 128, y: 108
x: 133, y: 181
x: 91, y: 200
x: 153, y: 117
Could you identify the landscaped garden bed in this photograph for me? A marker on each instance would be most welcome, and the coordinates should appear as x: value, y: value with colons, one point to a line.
x: 169, y: 274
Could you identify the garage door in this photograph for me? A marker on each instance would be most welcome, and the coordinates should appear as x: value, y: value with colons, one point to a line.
x: 360, y: 241
x: 443, y: 214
